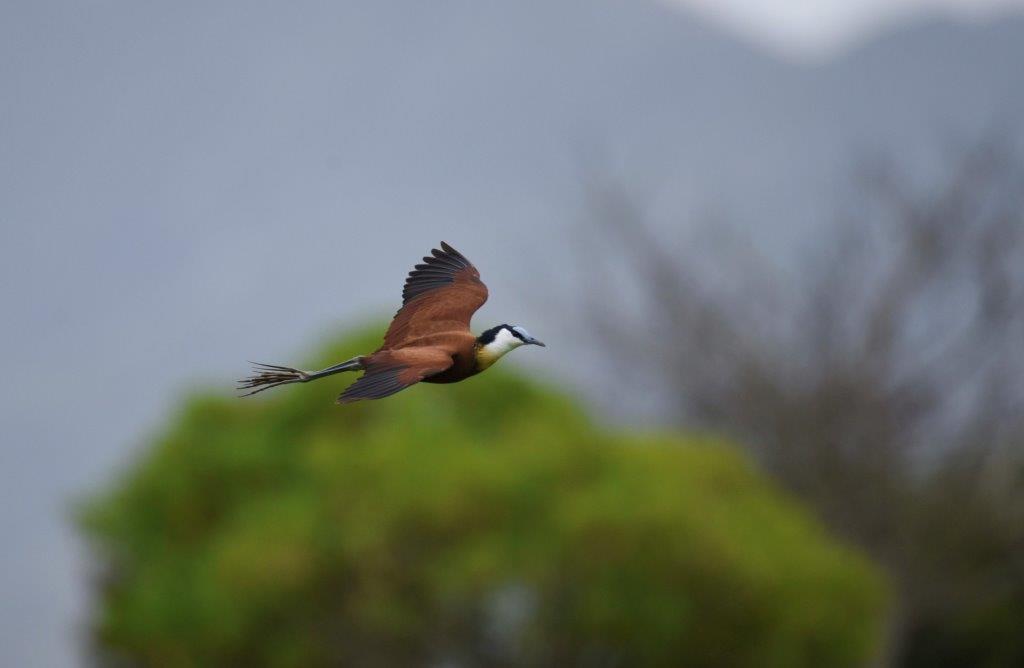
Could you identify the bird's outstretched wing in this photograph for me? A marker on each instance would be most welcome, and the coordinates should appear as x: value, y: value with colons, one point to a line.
x: 440, y: 295
x: 391, y: 371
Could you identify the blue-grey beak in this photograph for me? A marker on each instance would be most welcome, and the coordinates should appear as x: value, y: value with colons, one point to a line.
x: 535, y: 342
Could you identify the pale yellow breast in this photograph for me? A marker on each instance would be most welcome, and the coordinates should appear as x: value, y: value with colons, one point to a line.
x: 485, y: 357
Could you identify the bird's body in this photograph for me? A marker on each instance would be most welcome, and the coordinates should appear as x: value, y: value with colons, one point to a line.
x: 429, y: 339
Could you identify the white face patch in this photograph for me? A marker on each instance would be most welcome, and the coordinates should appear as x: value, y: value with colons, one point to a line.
x: 503, y: 342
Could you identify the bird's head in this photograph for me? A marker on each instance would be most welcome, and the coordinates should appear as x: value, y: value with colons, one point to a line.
x: 497, y: 341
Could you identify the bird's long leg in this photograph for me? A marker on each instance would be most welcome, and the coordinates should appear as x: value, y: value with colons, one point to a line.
x: 266, y: 376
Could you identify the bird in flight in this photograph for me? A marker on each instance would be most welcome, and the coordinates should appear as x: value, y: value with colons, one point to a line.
x: 428, y: 339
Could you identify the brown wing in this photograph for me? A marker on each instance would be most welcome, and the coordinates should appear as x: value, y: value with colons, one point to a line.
x: 440, y: 295
x: 391, y: 371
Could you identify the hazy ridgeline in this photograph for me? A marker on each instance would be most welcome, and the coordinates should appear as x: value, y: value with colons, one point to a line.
x: 188, y: 185
x: 881, y: 379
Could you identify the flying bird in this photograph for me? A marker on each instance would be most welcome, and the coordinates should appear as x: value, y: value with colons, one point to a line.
x: 428, y: 340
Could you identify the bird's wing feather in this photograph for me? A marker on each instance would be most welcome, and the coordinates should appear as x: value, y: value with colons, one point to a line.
x: 391, y: 371
x: 440, y: 295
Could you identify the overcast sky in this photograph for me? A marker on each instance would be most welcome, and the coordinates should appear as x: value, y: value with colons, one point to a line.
x: 810, y: 29
x: 170, y: 173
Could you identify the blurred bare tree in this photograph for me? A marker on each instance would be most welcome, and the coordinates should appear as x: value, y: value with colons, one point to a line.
x: 883, y: 381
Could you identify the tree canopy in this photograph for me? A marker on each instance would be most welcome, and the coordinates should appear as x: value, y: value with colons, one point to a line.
x: 485, y: 523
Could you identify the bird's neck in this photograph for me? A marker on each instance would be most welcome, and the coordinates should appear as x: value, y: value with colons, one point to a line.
x: 492, y: 351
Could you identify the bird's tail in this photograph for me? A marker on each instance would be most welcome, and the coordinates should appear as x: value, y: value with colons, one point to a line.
x: 266, y: 376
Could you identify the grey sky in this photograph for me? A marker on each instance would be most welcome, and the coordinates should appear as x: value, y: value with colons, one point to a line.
x: 815, y: 28
x: 172, y: 173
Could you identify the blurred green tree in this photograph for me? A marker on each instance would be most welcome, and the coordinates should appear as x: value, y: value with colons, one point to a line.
x: 881, y: 380
x: 487, y: 523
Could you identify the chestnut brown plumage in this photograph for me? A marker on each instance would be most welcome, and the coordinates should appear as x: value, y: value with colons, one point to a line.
x: 429, y: 339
